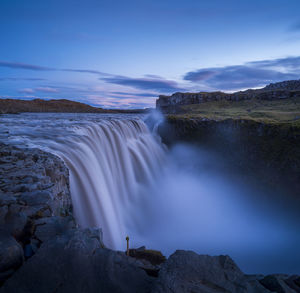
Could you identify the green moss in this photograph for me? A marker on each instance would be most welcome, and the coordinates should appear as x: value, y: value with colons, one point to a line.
x: 286, y: 111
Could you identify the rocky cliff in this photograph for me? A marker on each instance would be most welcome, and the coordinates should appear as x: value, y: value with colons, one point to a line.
x: 282, y: 90
x: 270, y: 151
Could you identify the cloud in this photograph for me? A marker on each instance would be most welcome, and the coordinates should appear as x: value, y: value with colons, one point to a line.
x: 160, y: 85
x: 87, y: 71
x: 18, y: 65
x: 295, y: 27
x: 21, y: 78
x: 249, y: 75
x: 38, y: 89
x: 289, y: 63
x: 47, y: 90
x: 144, y: 95
x: 26, y: 91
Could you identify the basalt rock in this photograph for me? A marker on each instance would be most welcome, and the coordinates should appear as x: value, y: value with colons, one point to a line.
x: 35, y: 203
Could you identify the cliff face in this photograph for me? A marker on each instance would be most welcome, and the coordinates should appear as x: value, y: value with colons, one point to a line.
x: 282, y: 90
x: 35, y: 203
x: 269, y: 151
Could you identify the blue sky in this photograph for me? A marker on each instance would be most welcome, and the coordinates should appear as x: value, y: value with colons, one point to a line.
x: 123, y: 54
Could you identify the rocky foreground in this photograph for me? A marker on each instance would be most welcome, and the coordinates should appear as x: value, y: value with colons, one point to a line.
x: 43, y: 250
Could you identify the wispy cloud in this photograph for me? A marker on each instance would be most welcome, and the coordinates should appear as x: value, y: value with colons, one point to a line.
x: 47, y: 90
x: 21, y: 79
x: 294, y: 27
x: 26, y: 91
x: 18, y: 65
x: 135, y: 94
x: 38, y: 89
x: 248, y: 75
x: 157, y: 84
x: 116, y: 103
x: 87, y: 71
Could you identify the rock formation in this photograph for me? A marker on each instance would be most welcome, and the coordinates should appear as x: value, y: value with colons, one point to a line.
x: 282, y: 90
x: 35, y: 203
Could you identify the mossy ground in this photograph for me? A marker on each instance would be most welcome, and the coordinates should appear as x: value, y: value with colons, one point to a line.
x: 267, y: 111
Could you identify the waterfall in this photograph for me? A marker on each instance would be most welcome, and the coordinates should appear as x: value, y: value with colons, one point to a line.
x: 124, y: 181
x: 108, y: 162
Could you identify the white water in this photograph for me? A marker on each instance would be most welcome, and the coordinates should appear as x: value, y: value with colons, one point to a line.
x: 107, y: 164
x: 124, y: 180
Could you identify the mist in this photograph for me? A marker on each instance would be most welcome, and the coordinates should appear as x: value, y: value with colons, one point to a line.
x: 198, y: 202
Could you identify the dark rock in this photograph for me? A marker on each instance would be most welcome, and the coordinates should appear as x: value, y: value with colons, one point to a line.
x: 76, y: 262
x: 6, y: 199
x: 3, y: 212
x: 48, y: 228
x: 276, y: 283
x: 186, y: 271
x: 36, y: 198
x: 153, y: 256
x: 15, y: 223
x: 11, y: 253
x: 293, y: 282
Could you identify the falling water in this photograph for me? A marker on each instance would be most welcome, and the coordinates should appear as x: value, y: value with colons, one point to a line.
x: 106, y: 165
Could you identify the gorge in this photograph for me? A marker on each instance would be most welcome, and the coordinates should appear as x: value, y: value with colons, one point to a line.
x: 126, y: 182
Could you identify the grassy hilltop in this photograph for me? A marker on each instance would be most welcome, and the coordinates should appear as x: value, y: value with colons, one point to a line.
x: 271, y: 111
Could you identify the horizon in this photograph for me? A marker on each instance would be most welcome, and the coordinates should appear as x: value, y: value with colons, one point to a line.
x: 123, y: 55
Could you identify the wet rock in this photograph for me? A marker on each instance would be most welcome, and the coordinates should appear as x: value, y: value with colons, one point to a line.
x: 76, y: 262
x: 186, y: 271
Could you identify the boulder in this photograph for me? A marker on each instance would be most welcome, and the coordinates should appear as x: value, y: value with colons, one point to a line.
x: 153, y: 256
x: 186, y: 271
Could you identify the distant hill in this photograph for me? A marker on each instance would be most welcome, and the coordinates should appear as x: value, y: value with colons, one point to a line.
x: 14, y: 106
x: 39, y: 105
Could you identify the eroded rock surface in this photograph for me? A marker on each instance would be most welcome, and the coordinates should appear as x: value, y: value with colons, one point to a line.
x: 35, y: 202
